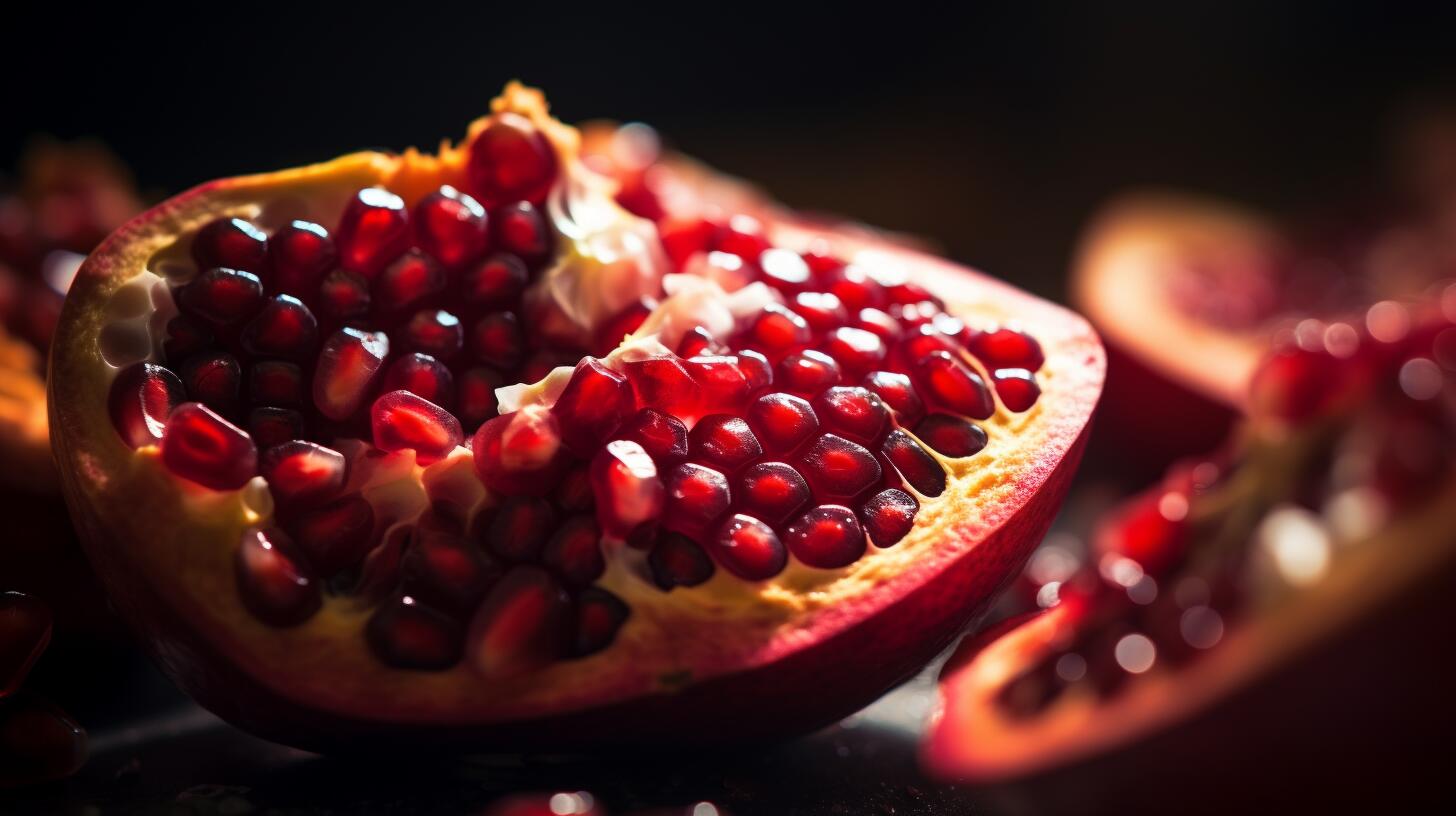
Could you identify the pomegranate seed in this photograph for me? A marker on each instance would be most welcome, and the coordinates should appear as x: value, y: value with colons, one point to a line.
x: 722, y: 381
x: 897, y: 393
x: 822, y: 262
x: 728, y: 271
x: 807, y: 373
x: 888, y: 516
x: 373, y: 232
x: 274, y: 382
x: 663, y: 437
x: 379, y: 572
x: 665, y: 384
x: 697, y: 341
x: 336, y: 536
x: 785, y: 271
x: 433, y: 332
x: 853, y: 412
x: 521, y: 453
x: 142, y: 397
x: 756, y: 369
x: 343, y: 297
x: 922, y: 341
x: 407, y: 283
x: 272, y: 583
x: 743, y: 236
x: 25, y: 631
x: 599, y: 614
x: 39, y: 743
x: 857, y: 351
x: 423, y: 376
x: 778, y: 330
x: 302, y: 473
x: 475, y: 397
x: 347, y: 368
x: 1016, y: 387
x: 495, y: 282
x: 904, y: 291
x: 274, y: 426
x: 301, y: 254
x: 684, y: 239
x: 878, y: 323
x: 542, y: 362
x: 496, y: 340
x: 827, y: 537
x: 213, y: 379
x: 593, y: 405
x: 948, y: 382
x: 407, y: 635
x: 951, y: 326
x: 284, y: 328
x: 1006, y: 348
x: 772, y: 491
x: 444, y: 570
x: 749, y: 549
x: 616, y: 329
x: 406, y: 421
x: 451, y: 226
x: 185, y: 337
x: 696, y: 497
x: 782, y: 421
x: 519, y: 528
x: 199, y: 445
x: 724, y: 441
x: 521, y: 229
x: 821, y: 310
x: 524, y: 624
x: 676, y: 560
x: 839, y: 469
x: 574, y: 494
x: 917, y: 315
x: 628, y: 491
x: 510, y: 160
x: 223, y: 296
x: 855, y: 288
x: 951, y: 436
x: 917, y: 467
x: 232, y: 243
x: 574, y: 553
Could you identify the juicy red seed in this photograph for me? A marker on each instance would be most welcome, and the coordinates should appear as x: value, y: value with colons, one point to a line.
x: 1006, y: 348
x: 749, y: 549
x: 917, y: 467
x: 625, y: 322
x: 684, y: 239
x: 599, y: 614
x: 347, y: 368
x: 519, y: 528
x: 664, y: 437
x: 274, y: 382
x: 782, y: 421
x: 821, y: 310
x: 898, y: 393
x: 676, y: 560
x: 907, y: 292
x: 272, y: 583
x: 284, y: 328
x: 807, y: 373
x: 445, y: 570
x: 39, y: 742
x: 223, y: 296
x: 214, y: 379
x: 726, y: 442
x: 888, y: 516
x: 1016, y: 387
x: 574, y: 553
x: 665, y: 384
x: 451, y: 226
x: 951, y: 435
x: 25, y: 631
x: 475, y: 399
x: 510, y: 160
x: 408, y: 635
x: 405, y: 421
x: 922, y: 341
x: 335, y: 536
x: 497, y: 340
x: 855, y: 289
x: 433, y: 332
x: 524, y: 624
x: 857, y: 351
x: 949, y: 383
x: 142, y: 397
x: 743, y: 236
x: 343, y: 297
x: 728, y: 271
x: 627, y: 488
x: 756, y: 369
x: 827, y: 537
x: 423, y: 376
x: 839, y: 469
x: 722, y: 381
x: 185, y: 337
x: 877, y: 323
x: 772, y: 491
x: 951, y: 326
x: 274, y: 426
x: 495, y: 282
x: 373, y: 232
x: 301, y: 254
x: 520, y: 228
x: 302, y: 473
x: 574, y: 494
x: 407, y: 283
x: 696, y: 497
x: 696, y: 341
x: 778, y: 329
x: 233, y: 243
x: 853, y: 412
x: 521, y: 453
x: 593, y: 405
x: 785, y: 271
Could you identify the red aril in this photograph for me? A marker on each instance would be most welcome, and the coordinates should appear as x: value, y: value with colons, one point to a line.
x: 202, y: 447
x: 405, y: 421
x: 451, y: 226
x: 373, y: 232
x: 142, y: 397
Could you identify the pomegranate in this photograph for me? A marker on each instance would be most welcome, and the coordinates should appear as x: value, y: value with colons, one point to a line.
x: 472, y: 458
x: 1285, y: 592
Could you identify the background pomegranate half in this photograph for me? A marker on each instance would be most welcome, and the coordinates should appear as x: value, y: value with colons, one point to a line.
x: 455, y: 446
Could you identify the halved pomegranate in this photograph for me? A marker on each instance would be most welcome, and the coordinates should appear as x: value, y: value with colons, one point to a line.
x: 687, y: 513
x: 1279, y: 608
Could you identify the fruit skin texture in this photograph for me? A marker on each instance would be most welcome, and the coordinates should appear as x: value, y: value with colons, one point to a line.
x: 741, y: 679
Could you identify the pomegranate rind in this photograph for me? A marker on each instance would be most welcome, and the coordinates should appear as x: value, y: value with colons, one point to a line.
x: 720, y: 662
